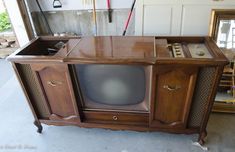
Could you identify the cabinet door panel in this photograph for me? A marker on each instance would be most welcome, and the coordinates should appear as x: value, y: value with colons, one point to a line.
x: 160, y: 24
x: 176, y: 17
x: 172, y: 96
x: 161, y: 19
x: 56, y: 85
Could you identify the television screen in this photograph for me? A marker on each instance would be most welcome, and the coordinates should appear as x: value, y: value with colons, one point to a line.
x: 112, y: 85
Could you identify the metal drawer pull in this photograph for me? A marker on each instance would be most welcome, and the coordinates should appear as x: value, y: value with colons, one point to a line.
x: 115, y: 118
x: 170, y: 88
x: 54, y: 83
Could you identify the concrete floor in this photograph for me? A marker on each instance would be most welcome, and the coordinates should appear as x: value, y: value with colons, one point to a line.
x: 17, y: 132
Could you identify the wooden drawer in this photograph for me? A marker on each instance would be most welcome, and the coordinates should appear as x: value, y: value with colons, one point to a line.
x: 116, y: 117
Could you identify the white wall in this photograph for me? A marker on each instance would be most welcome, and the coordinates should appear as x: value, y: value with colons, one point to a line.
x: 2, y: 8
x: 16, y: 21
x: 78, y: 5
x: 176, y: 17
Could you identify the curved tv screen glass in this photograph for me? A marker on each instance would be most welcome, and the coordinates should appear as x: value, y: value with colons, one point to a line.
x: 112, y: 84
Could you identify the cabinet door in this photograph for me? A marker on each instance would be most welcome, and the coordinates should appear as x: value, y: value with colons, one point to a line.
x: 172, y: 94
x: 58, y: 91
x: 176, y: 17
x: 161, y: 19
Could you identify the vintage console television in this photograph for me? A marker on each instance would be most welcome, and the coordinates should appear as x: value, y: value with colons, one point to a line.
x: 132, y: 83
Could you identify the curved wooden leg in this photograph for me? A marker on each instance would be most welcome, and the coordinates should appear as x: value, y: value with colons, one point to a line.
x: 201, y: 138
x: 39, y: 126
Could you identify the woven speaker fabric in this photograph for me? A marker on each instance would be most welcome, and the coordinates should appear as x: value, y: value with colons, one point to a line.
x: 201, y: 95
x: 32, y: 87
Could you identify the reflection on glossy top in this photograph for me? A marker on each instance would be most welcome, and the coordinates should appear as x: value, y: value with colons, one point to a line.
x: 114, y: 47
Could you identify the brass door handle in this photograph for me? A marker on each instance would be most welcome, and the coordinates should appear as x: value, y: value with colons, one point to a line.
x: 54, y: 83
x: 170, y: 88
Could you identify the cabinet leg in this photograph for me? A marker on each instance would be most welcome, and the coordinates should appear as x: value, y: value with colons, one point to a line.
x: 201, y: 138
x: 39, y: 126
x: 201, y: 141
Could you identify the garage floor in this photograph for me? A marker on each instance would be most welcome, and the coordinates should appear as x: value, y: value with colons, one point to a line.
x: 17, y: 132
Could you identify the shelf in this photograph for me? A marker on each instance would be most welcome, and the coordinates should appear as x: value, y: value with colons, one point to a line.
x: 223, y: 107
x: 224, y: 102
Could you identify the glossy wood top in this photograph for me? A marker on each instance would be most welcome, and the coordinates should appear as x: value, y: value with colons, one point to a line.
x: 114, y: 47
x: 116, y: 50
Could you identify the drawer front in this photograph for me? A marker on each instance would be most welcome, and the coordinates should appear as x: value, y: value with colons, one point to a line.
x: 116, y: 118
x: 172, y: 96
x: 57, y: 88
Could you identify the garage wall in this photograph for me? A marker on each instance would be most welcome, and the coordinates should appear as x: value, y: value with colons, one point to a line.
x: 177, y: 17
x: 151, y: 17
x: 78, y: 5
x: 77, y: 18
x: 81, y: 22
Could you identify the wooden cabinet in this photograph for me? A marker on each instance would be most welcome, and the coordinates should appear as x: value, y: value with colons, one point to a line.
x: 172, y: 83
x: 57, y: 89
x: 172, y: 96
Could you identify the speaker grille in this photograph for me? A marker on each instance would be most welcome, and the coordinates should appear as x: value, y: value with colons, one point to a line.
x: 201, y: 95
x: 33, y: 89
